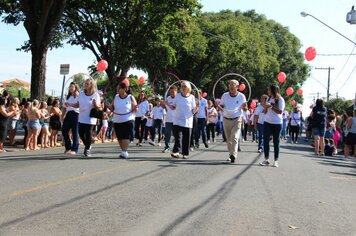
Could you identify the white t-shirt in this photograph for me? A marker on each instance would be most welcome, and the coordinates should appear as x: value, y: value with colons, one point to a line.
x: 232, y: 105
x: 271, y: 116
x: 285, y: 115
x: 212, y: 115
x: 202, y: 108
x: 149, y: 122
x: 183, y: 115
x: 170, y: 113
x: 142, y: 109
x: 261, y: 116
x: 158, y: 112
x: 72, y: 100
x: 85, y: 105
x: 246, y: 116
x: 123, y: 109
x: 295, y: 118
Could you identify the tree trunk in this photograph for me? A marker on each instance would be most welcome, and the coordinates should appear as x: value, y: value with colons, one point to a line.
x: 38, y: 74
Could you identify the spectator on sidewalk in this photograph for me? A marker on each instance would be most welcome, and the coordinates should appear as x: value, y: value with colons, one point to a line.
x: 4, y: 115
x: 14, y: 120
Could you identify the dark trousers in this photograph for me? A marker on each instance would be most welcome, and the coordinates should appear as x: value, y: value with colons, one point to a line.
x: 140, y: 128
x: 244, y: 131
x: 168, y: 134
x: 294, y: 131
x: 201, y: 129
x: 85, y: 133
x: 157, y: 125
x: 71, y: 123
x: 260, y: 135
x: 275, y: 131
x: 182, y: 139
x: 210, y: 130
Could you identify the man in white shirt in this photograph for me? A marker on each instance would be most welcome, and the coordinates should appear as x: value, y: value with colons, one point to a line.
x: 232, y: 104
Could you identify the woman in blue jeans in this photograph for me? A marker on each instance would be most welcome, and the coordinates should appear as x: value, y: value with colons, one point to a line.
x: 273, y: 109
x: 70, y: 121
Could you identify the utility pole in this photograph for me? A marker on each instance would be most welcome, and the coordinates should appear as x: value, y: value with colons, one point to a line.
x: 328, y: 87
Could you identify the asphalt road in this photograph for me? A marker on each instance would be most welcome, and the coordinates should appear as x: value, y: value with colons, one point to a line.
x: 48, y: 193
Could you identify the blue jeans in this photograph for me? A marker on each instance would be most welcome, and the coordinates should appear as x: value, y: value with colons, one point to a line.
x: 168, y: 134
x: 284, y: 128
x: 71, y: 123
x: 201, y: 128
x: 260, y: 129
x: 275, y: 131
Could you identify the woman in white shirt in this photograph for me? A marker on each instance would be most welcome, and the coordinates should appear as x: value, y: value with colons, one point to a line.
x: 70, y: 122
x: 259, y: 119
x: 295, y: 119
x: 141, y: 118
x: 124, y: 107
x: 273, y: 123
x: 88, y: 99
x: 185, y: 107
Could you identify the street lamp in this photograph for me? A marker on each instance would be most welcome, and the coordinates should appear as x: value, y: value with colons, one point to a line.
x: 304, y: 14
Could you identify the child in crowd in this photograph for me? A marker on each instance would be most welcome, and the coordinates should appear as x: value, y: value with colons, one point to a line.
x: 104, y: 127
x: 149, y: 123
x: 158, y: 113
x: 330, y: 149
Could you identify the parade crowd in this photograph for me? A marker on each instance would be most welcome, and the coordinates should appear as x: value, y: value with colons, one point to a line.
x: 84, y: 117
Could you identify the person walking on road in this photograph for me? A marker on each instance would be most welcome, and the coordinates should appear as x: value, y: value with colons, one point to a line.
x: 124, y: 107
x: 169, y: 117
x: 88, y: 99
x: 259, y: 120
x: 273, y: 123
x: 185, y: 107
x: 70, y: 122
x: 232, y: 104
x: 319, y: 114
x: 141, y: 118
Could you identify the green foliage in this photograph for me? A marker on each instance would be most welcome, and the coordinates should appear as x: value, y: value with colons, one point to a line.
x: 339, y: 105
x: 122, y: 31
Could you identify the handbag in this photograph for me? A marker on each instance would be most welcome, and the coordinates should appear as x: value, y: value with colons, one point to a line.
x: 96, y: 113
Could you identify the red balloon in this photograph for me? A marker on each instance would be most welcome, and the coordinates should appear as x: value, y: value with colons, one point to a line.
x: 292, y: 102
x: 102, y: 65
x: 253, y: 105
x: 242, y: 87
x: 300, y: 91
x: 127, y: 82
x: 281, y: 77
x: 310, y: 53
x: 204, y: 95
x: 289, y: 91
x: 141, y: 80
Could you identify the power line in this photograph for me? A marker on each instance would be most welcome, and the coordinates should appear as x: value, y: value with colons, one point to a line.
x: 336, y: 54
x: 347, y: 79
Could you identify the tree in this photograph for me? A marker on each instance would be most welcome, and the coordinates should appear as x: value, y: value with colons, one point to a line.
x: 40, y: 19
x: 339, y: 105
x: 120, y: 31
x: 245, y: 43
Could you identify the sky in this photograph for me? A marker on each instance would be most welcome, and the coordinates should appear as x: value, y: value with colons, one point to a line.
x: 311, y: 32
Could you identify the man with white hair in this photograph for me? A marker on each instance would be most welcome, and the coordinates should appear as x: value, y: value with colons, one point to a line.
x: 232, y: 104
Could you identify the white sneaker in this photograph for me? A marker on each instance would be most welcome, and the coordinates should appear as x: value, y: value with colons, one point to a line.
x: 275, y: 164
x: 265, y: 162
x: 152, y: 143
x: 260, y: 150
x: 159, y: 144
x: 208, y: 141
x: 124, y: 154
